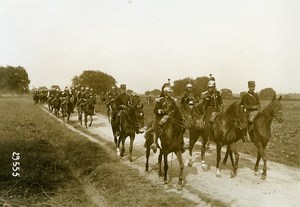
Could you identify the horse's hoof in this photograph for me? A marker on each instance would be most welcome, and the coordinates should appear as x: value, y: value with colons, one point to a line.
x: 179, y: 187
x: 233, y: 174
x: 118, y: 151
x: 130, y: 159
x: 190, y: 164
x: 153, y: 148
x: 224, y: 162
x: 160, y: 174
x: 165, y: 182
x: 204, y: 167
x: 256, y: 173
x: 263, y: 177
x: 219, y: 175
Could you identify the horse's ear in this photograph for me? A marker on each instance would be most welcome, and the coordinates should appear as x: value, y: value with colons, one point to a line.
x: 280, y: 97
x: 274, y: 97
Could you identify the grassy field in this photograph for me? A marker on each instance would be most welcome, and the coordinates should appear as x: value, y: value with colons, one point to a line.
x: 57, y: 165
x: 284, y: 146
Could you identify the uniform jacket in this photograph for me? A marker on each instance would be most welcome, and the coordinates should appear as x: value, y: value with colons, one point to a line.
x: 122, y: 100
x: 250, y: 101
x: 212, y: 100
x: 165, y: 104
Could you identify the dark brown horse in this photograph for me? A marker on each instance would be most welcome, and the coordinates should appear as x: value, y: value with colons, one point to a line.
x: 193, y: 120
x: 130, y: 120
x: 67, y: 107
x: 55, y: 106
x: 171, y: 137
x: 87, y: 108
x: 261, y: 132
x: 228, y: 128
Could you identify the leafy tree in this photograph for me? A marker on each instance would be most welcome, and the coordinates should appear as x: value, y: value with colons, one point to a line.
x: 14, y: 79
x: 199, y: 85
x: 42, y: 87
x: 99, y: 81
x: 55, y: 87
x: 226, y: 93
x: 180, y: 85
x: 267, y: 93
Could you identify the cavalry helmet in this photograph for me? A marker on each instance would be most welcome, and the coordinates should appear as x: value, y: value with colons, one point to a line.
x: 168, y: 89
x: 189, y: 85
x: 211, y: 83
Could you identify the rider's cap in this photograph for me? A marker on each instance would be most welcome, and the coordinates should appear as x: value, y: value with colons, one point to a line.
x: 251, y: 83
x: 123, y: 86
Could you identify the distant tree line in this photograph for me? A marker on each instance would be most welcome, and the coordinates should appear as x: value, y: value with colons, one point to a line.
x: 14, y: 80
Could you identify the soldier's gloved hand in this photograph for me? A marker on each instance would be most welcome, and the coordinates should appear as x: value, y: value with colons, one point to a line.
x: 160, y: 111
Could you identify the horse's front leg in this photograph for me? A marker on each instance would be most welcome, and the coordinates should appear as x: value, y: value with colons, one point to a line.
x: 123, y: 146
x: 218, y: 173
x: 147, y: 158
x: 131, y: 147
x: 85, y: 120
x: 91, y: 116
x: 166, y: 167
x: 159, y: 163
x: 193, y: 139
x: 203, y: 150
x: 118, y: 145
x: 264, y: 157
x: 181, y: 166
x: 258, y: 146
x: 236, y: 162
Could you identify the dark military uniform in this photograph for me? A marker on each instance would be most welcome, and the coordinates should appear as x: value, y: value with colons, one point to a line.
x: 187, y: 97
x: 251, y: 101
x: 212, y: 102
x: 122, y: 102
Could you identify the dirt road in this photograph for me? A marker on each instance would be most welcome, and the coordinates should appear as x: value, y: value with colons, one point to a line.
x: 281, y: 188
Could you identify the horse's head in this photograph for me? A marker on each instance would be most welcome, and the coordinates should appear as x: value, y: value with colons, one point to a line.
x: 241, y: 116
x: 139, y: 115
x: 237, y: 113
x: 187, y: 116
x: 276, y: 109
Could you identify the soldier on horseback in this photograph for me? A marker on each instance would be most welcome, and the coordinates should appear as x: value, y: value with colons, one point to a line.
x: 122, y: 101
x: 251, y: 101
x: 188, y: 98
x: 165, y: 105
x: 212, y: 104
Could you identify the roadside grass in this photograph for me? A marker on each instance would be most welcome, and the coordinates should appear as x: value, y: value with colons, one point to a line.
x: 284, y: 145
x: 57, y: 165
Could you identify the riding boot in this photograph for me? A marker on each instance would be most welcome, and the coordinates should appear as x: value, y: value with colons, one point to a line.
x: 246, y: 135
x: 154, y: 145
x: 209, y: 135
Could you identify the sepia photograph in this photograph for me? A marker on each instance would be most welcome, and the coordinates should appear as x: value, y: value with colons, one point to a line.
x: 174, y: 103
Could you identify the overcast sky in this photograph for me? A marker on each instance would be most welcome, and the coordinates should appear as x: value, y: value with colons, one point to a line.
x: 142, y: 43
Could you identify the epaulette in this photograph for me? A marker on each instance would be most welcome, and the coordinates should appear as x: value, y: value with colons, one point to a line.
x: 158, y: 99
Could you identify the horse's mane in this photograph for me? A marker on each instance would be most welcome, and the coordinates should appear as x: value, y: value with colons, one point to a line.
x: 176, y: 120
x: 230, y: 111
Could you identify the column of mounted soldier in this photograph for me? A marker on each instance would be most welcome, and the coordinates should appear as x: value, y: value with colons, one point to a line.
x: 165, y: 103
x: 206, y: 118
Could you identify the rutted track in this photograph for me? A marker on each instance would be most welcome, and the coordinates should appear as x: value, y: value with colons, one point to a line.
x: 282, y: 187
